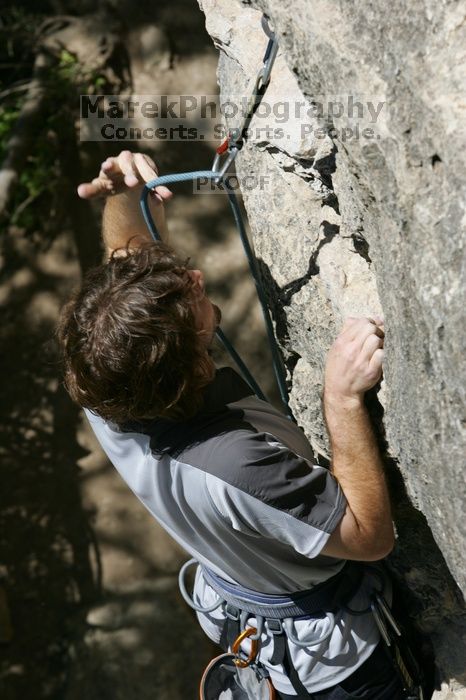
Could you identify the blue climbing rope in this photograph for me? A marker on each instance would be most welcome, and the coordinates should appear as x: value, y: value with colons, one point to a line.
x: 276, y: 359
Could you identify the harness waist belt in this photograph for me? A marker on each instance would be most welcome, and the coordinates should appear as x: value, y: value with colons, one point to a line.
x: 326, y: 596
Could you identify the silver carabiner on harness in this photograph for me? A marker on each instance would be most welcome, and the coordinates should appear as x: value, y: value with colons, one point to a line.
x: 187, y: 597
x: 383, y: 606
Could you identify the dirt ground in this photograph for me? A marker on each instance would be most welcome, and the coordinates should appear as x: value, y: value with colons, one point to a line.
x: 89, y: 605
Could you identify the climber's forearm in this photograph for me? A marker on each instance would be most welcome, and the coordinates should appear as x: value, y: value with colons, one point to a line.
x: 120, y: 180
x: 357, y: 465
x: 123, y: 222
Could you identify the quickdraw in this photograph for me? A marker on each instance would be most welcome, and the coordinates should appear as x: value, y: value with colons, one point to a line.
x: 235, y: 139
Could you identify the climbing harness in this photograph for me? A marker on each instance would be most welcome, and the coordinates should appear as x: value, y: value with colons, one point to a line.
x: 276, y: 614
x: 229, y: 150
x: 232, y: 672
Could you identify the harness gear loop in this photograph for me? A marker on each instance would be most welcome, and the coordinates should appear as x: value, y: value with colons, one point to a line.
x: 187, y: 597
x: 244, y: 616
x: 259, y: 626
x: 249, y: 632
x: 305, y: 643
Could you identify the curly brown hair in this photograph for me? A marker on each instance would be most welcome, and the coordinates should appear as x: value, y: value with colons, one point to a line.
x: 128, y: 336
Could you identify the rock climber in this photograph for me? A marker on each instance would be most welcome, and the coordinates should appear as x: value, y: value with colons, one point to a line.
x: 225, y: 473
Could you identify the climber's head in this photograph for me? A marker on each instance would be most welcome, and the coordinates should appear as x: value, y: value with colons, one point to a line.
x: 135, y: 338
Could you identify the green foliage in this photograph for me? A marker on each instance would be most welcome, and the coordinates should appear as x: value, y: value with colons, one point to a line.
x: 37, y: 204
x: 68, y: 67
x: 99, y: 81
x: 68, y: 77
x: 8, y: 117
x: 40, y: 172
x: 35, y: 198
x: 36, y: 177
x: 35, y: 187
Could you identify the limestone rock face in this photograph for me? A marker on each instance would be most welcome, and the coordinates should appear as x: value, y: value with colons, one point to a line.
x: 357, y: 207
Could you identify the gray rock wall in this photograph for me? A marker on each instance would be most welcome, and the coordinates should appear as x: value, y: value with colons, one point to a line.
x: 349, y: 223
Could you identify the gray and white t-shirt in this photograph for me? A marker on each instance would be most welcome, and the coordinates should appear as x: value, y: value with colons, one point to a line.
x: 237, y: 488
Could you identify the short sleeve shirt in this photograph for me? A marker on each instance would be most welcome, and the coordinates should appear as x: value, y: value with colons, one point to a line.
x: 237, y: 486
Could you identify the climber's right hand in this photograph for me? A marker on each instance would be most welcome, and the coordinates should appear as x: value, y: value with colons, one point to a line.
x: 354, y: 361
x: 127, y: 172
